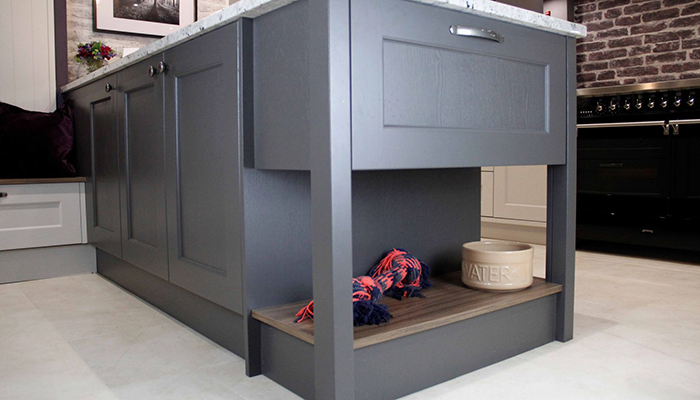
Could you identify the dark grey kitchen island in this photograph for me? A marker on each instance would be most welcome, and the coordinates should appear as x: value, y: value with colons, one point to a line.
x: 271, y: 152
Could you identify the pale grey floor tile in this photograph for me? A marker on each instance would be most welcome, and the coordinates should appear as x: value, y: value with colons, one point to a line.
x: 24, y: 330
x: 46, y: 371
x: 101, y: 395
x: 135, y: 355
x: 57, y: 292
x: 192, y: 385
x: 232, y: 375
x: 13, y: 299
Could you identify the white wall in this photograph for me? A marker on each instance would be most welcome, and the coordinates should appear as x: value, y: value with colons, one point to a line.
x: 27, y: 58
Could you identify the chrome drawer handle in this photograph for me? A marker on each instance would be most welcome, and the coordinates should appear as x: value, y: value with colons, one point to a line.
x: 476, y: 32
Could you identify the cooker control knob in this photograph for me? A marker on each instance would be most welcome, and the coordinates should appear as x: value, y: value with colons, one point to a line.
x: 599, y: 107
x: 651, y: 103
x: 639, y: 104
x: 691, y: 99
x: 613, y: 105
x: 664, y: 102
x: 627, y: 104
x: 677, y: 101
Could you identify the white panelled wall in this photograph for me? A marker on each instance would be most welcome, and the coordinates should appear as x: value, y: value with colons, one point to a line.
x: 27, y: 55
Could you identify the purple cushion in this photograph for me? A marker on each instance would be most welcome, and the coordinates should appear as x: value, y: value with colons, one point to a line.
x: 36, y: 144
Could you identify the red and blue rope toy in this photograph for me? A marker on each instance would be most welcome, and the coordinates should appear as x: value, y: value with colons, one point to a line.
x: 398, y: 275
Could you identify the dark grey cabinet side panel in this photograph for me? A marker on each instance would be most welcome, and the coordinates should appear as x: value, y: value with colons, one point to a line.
x: 140, y: 109
x: 204, y: 167
x: 97, y: 145
x: 387, y: 371
x: 282, y: 82
x: 211, y: 320
x: 426, y: 98
x: 449, y: 351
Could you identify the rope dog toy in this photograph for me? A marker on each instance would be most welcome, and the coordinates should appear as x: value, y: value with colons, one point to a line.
x: 398, y: 275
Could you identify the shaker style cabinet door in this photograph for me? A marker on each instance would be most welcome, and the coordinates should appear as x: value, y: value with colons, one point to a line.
x: 97, y: 148
x: 520, y: 192
x: 435, y: 88
x: 140, y: 109
x: 204, y: 166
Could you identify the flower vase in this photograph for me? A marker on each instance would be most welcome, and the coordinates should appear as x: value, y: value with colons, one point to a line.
x: 94, y: 65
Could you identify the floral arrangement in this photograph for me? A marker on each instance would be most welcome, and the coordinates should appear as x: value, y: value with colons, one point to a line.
x: 94, y: 55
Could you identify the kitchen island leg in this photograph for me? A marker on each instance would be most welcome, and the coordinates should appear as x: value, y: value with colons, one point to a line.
x: 561, y: 213
x: 331, y: 199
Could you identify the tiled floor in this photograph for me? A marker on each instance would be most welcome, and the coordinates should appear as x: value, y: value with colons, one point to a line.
x: 637, y: 336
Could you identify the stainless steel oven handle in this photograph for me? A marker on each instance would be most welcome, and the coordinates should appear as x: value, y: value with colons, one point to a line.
x: 677, y: 122
x: 622, y: 124
x: 684, y: 121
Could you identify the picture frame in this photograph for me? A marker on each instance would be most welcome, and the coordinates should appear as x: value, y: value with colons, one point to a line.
x: 143, y: 17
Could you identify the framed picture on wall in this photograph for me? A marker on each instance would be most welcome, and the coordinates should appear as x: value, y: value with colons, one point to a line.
x: 143, y: 17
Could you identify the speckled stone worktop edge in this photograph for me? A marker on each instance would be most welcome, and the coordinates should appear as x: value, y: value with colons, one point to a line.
x: 241, y: 9
x: 256, y: 8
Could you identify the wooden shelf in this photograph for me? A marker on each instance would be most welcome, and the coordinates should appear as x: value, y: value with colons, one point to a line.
x: 41, y: 180
x: 447, y: 302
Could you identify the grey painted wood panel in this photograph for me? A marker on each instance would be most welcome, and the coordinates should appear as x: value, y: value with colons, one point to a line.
x: 31, y: 264
x: 140, y: 109
x: 97, y: 154
x: 452, y: 350
x: 204, y: 162
x: 424, y: 98
x: 282, y: 88
x: 219, y: 324
x: 288, y: 361
x: 277, y: 245
x: 453, y: 89
x: 331, y: 196
x: 561, y: 212
x: 388, y: 370
x: 430, y: 213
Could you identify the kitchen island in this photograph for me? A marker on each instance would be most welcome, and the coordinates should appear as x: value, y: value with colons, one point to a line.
x: 269, y: 153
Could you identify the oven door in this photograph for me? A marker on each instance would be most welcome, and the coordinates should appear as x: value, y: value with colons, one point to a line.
x: 628, y: 159
x: 685, y: 202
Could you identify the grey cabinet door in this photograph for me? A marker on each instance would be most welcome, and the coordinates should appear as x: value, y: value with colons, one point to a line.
x: 424, y: 97
x: 97, y: 149
x: 140, y: 109
x: 204, y: 166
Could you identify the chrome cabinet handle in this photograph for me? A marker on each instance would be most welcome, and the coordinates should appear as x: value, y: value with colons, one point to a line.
x: 488, y: 34
x: 3, y: 194
x: 621, y: 124
x: 152, y: 71
x: 162, y: 67
x: 108, y: 88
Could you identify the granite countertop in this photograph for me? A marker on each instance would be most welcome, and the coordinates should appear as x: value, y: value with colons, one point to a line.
x: 256, y: 8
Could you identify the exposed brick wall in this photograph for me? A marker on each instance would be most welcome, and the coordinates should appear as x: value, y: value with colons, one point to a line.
x: 637, y: 41
x: 79, y: 20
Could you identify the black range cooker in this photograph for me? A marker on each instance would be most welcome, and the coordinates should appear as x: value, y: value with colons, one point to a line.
x: 639, y: 164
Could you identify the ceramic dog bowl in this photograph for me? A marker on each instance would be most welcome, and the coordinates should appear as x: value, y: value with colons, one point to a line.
x: 497, y: 266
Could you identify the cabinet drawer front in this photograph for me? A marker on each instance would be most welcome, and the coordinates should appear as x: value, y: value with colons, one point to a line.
x: 424, y: 97
x: 40, y: 215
